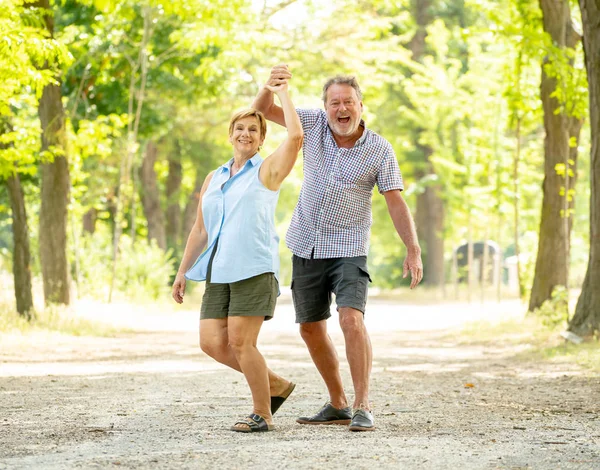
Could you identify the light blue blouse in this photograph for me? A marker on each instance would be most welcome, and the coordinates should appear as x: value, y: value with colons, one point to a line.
x: 239, y: 211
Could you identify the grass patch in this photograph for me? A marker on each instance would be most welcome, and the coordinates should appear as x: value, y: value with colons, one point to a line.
x: 428, y: 295
x: 515, y: 330
x: 545, y: 342
x: 586, y: 355
x: 57, y: 319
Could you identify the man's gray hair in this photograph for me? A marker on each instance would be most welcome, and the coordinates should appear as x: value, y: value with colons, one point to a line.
x: 342, y: 80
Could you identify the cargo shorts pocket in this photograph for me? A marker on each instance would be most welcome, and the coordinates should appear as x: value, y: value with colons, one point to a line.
x: 363, y: 282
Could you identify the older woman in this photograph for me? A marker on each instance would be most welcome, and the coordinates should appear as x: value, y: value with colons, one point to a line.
x: 235, y: 219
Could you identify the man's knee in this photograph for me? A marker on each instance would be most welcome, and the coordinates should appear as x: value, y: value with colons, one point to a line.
x: 313, y: 331
x: 351, y: 320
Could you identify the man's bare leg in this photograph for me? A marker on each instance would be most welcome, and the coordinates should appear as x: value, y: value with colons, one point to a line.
x: 325, y: 357
x: 358, y: 352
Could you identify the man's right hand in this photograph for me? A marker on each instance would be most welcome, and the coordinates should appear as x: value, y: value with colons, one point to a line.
x: 279, y: 74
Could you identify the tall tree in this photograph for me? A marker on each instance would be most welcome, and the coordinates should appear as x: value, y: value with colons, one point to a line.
x: 21, y: 251
x: 587, y: 313
x: 151, y: 197
x: 173, y: 189
x: 55, y: 186
x: 21, y: 247
x: 29, y: 57
x: 429, y: 215
x: 552, y: 264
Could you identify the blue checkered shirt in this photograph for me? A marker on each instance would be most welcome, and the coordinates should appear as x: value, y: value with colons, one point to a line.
x: 333, y: 214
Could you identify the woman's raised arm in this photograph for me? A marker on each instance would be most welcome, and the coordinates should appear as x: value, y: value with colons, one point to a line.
x: 280, y: 163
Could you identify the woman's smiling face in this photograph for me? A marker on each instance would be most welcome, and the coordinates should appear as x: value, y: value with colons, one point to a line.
x: 246, y: 136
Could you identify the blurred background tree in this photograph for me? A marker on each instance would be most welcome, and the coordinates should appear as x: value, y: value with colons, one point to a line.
x: 473, y: 96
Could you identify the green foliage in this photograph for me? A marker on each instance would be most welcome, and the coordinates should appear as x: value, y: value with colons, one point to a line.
x: 29, y: 60
x: 475, y: 84
x: 28, y: 56
x: 554, y: 313
x: 142, y: 273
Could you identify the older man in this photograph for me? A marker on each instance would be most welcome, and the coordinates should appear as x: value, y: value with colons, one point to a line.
x: 329, y: 235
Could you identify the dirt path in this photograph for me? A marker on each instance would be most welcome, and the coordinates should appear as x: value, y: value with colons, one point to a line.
x: 153, y: 400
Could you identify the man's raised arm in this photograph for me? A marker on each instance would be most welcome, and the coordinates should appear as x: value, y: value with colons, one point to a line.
x: 264, y: 101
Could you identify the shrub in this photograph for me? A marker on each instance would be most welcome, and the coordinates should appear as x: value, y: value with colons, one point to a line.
x: 554, y: 312
x: 143, y: 270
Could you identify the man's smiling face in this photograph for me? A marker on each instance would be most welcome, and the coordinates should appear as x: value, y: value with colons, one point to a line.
x: 344, y: 109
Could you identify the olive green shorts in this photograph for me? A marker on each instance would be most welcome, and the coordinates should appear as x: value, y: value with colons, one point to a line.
x: 252, y: 297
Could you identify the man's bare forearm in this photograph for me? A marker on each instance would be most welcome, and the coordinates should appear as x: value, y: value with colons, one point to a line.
x: 403, y: 221
x: 264, y: 100
x: 265, y: 103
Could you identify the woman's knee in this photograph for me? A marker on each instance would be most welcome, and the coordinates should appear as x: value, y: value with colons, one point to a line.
x: 243, y: 333
x: 239, y: 342
x: 213, y: 347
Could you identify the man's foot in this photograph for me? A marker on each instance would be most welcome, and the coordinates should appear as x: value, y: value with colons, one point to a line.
x: 328, y: 415
x: 362, y: 420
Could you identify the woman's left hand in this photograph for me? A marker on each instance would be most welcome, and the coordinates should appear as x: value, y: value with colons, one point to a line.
x: 278, y: 88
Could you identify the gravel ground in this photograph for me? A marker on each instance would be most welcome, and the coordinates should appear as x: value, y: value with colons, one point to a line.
x: 151, y: 399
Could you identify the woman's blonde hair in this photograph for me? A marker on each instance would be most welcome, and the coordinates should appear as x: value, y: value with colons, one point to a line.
x: 244, y: 113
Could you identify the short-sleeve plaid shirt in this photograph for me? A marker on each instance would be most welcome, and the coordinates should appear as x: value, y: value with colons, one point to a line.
x: 333, y: 216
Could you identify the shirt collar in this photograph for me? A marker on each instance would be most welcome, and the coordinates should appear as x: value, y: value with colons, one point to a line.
x: 362, y: 138
x: 253, y: 161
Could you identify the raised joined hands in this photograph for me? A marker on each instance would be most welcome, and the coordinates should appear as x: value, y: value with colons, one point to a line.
x: 280, y: 74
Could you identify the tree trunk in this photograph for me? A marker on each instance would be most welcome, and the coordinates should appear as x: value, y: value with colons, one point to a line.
x: 173, y: 191
x: 429, y: 215
x: 150, y: 197
x: 575, y: 126
x: 191, y: 208
x: 89, y: 221
x: 21, y: 252
x: 54, y: 190
x: 552, y: 267
x: 587, y: 314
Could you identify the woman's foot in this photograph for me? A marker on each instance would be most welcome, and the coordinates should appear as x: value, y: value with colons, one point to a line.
x: 278, y: 399
x: 279, y: 388
x: 254, y: 423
